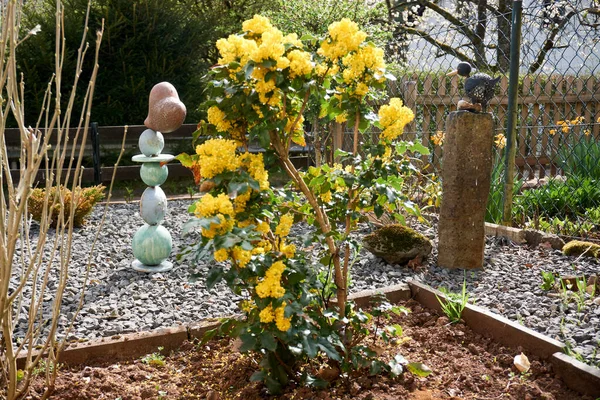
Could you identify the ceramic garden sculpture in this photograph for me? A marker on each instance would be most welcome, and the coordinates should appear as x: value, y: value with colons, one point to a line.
x: 152, y: 243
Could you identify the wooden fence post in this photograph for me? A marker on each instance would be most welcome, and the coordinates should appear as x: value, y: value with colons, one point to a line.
x: 96, y: 153
x: 410, y: 101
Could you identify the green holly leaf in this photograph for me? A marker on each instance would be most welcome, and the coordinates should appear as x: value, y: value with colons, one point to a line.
x: 419, y: 369
x: 268, y: 341
x: 214, y: 275
x: 248, y: 342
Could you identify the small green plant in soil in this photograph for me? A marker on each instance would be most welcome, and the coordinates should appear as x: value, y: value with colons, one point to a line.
x: 155, y: 359
x: 581, y: 293
x: 191, y: 190
x: 43, y: 367
x: 455, y: 303
x: 548, y: 280
x: 128, y: 194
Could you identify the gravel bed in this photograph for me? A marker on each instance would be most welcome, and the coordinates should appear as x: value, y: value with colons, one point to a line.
x: 120, y: 300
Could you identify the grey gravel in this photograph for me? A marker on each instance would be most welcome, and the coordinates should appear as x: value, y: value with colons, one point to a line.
x: 120, y: 300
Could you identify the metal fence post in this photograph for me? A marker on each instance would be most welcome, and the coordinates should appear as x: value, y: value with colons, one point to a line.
x: 96, y: 153
x: 513, y: 89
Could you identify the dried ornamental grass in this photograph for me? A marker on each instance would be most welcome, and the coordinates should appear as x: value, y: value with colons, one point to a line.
x: 85, y: 199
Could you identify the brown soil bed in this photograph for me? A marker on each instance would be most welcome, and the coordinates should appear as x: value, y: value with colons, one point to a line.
x: 465, y: 366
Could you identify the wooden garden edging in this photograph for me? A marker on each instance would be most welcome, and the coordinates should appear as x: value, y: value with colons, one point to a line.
x: 578, y: 376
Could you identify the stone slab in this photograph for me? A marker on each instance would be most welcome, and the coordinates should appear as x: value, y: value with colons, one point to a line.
x: 515, y: 234
x: 158, y: 158
x: 394, y: 294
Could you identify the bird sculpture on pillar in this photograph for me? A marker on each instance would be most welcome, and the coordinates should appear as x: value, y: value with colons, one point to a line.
x: 479, y: 87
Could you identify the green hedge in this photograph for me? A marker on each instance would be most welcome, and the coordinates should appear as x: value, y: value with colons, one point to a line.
x: 145, y: 42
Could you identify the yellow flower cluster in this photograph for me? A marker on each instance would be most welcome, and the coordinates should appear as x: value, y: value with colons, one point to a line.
x: 262, y: 247
x: 326, y: 197
x: 345, y: 36
x: 217, y: 156
x: 257, y: 25
x: 247, y: 305
x: 500, y: 141
x: 241, y: 256
x: 217, y: 118
x: 271, y: 47
x: 221, y: 255
x: 220, y: 206
x: 239, y: 203
x: 288, y: 250
x: 235, y: 48
x: 285, y: 224
x: 283, y: 323
x: 262, y: 42
x: 255, y: 165
x: 438, y: 138
x: 366, y: 60
x: 209, y: 205
x: 270, y: 286
x: 268, y: 315
x: 263, y: 227
x: 300, y: 63
x: 566, y: 125
x: 393, y: 118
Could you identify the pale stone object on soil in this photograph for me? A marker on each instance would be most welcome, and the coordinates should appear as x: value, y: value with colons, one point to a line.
x: 466, y: 176
x: 522, y: 362
x: 166, y: 112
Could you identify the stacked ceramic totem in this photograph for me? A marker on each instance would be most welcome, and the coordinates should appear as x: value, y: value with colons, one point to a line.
x: 152, y: 243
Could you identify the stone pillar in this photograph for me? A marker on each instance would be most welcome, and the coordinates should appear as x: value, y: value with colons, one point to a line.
x: 466, y: 176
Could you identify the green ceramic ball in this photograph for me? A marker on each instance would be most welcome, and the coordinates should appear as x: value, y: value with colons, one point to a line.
x: 151, y: 142
x: 152, y: 244
x: 153, y: 174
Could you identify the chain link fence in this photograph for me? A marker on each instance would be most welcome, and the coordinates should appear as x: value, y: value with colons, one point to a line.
x: 557, y: 164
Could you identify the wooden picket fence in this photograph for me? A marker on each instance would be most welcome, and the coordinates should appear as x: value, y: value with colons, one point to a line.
x: 542, y: 102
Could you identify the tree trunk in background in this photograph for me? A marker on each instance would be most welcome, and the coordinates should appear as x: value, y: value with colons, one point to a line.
x: 480, y: 30
x: 504, y: 25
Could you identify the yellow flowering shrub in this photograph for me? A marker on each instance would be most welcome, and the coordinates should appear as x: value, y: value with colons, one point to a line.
x: 259, y: 92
